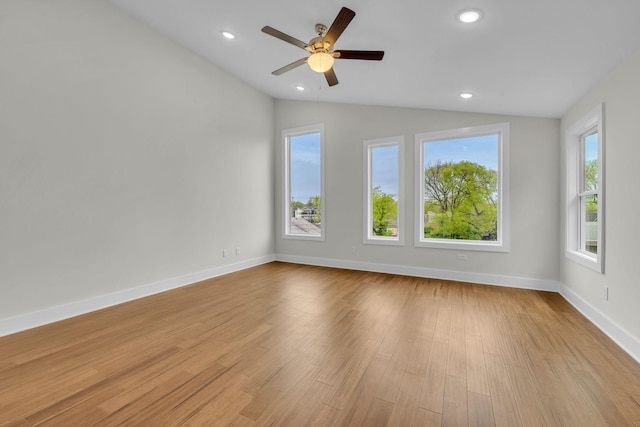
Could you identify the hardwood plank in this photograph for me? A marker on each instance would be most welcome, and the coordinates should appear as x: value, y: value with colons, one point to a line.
x: 425, y: 418
x: 351, y: 377
x: 392, y: 379
x: 327, y: 416
x: 562, y: 398
x: 505, y: 408
x: 457, y: 361
x: 600, y: 397
x: 225, y: 412
x: 368, y: 411
x: 527, y: 399
x: 455, y: 405
x: 406, y: 410
x: 78, y: 402
x: 289, y: 383
x: 443, y: 325
x: 173, y: 405
x: 481, y: 411
x: 432, y: 394
x: 310, y: 406
x: 285, y: 344
x: 419, y: 356
x: 20, y: 422
x: 477, y: 380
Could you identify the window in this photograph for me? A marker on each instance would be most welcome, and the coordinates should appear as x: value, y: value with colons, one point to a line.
x: 304, y: 178
x: 585, y: 191
x: 463, y: 188
x: 383, y: 190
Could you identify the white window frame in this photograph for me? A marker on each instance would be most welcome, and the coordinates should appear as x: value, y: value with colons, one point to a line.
x: 502, y: 242
x: 287, y: 134
x: 369, y: 146
x: 574, y: 142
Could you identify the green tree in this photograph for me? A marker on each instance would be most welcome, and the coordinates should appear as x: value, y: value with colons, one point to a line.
x: 463, y: 199
x: 315, y: 203
x: 591, y: 175
x: 591, y: 183
x: 384, y: 212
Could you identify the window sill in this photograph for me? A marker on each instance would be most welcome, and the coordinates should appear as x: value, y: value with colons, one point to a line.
x: 463, y: 245
x: 302, y: 237
x: 384, y: 241
x: 589, y: 261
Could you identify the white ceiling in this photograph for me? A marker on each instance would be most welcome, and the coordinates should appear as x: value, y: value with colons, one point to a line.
x: 524, y: 57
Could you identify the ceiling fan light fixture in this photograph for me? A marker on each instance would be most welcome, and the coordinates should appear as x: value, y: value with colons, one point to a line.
x: 469, y: 16
x: 320, y: 62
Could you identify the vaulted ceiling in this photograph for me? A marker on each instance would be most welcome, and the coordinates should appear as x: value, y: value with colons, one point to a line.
x: 523, y: 57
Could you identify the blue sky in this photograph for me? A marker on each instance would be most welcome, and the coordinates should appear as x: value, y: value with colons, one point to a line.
x: 304, y: 152
x: 305, y: 161
x: 384, y: 165
x: 478, y: 149
x: 591, y: 147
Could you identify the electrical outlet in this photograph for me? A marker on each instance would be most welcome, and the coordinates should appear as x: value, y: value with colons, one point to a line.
x: 462, y: 257
x: 225, y: 253
x: 605, y: 293
x: 237, y: 251
x: 353, y: 249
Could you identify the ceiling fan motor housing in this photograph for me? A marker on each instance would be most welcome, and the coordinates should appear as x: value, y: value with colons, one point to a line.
x: 321, y: 30
x: 317, y: 44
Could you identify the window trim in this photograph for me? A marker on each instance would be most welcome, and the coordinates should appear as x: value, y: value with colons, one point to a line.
x: 574, y: 146
x: 502, y: 244
x: 286, y: 137
x: 369, y: 145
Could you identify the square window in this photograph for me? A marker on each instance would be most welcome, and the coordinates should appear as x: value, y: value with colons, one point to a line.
x: 462, y: 200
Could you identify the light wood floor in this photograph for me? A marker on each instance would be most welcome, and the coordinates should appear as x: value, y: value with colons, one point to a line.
x: 283, y: 344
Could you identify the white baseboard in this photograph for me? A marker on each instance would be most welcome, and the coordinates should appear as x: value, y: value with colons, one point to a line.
x: 49, y: 315
x: 619, y: 335
x: 433, y: 273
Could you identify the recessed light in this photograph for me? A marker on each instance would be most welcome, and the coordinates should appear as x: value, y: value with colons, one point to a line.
x: 466, y: 95
x: 228, y: 35
x: 469, y: 16
x: 300, y: 88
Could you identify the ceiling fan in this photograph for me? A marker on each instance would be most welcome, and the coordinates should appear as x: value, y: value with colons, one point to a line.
x: 321, y: 48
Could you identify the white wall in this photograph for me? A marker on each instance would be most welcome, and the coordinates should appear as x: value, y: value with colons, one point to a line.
x: 620, y: 92
x: 124, y: 158
x: 534, y: 192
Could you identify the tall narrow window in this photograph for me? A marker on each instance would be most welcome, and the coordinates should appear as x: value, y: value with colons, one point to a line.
x: 588, y: 194
x: 585, y: 195
x: 304, y: 189
x: 462, y: 199
x: 383, y: 191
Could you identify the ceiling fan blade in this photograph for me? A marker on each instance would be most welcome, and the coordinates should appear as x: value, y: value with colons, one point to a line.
x: 289, y: 67
x: 284, y: 37
x: 331, y: 77
x: 371, y: 55
x: 339, y: 24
